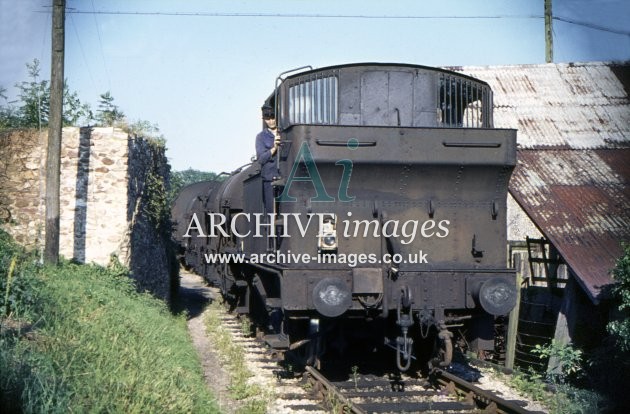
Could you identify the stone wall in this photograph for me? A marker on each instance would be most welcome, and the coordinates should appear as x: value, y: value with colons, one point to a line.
x: 519, y: 225
x: 103, y: 199
x: 22, y: 159
x: 148, y: 214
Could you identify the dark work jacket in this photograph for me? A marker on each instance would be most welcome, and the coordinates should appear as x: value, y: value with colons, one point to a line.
x: 264, y: 144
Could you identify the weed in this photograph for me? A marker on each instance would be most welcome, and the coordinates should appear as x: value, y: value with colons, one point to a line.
x: 565, y: 399
x: 8, y: 283
x: 18, y: 284
x: 257, y: 406
x: 355, y: 377
x: 569, y: 359
x: 570, y: 400
x: 530, y: 384
x: 332, y: 401
x: 246, y: 326
x: 233, y: 356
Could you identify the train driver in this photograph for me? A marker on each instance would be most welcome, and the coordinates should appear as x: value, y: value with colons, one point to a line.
x: 267, y: 145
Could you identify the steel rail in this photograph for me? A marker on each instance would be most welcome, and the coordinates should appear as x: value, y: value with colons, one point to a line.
x: 329, y: 388
x: 485, y: 397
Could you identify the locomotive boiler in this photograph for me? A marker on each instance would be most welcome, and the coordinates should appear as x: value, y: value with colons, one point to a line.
x: 389, y: 221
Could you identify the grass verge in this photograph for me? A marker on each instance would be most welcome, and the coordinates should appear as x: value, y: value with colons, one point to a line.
x: 79, y: 338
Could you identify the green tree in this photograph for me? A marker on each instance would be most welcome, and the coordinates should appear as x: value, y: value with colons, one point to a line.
x: 107, y: 113
x: 180, y: 179
x: 8, y: 113
x: 620, y: 328
x: 34, y: 95
x: 73, y: 108
x: 33, y: 105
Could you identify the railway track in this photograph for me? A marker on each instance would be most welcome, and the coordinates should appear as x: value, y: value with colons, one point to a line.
x: 375, y: 387
x: 440, y: 392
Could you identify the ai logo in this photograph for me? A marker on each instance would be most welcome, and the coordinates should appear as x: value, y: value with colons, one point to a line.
x: 306, y: 157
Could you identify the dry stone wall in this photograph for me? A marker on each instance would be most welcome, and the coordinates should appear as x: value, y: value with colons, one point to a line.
x: 103, y: 199
x: 21, y: 190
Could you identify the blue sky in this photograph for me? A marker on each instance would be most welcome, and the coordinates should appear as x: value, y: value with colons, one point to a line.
x: 202, y: 77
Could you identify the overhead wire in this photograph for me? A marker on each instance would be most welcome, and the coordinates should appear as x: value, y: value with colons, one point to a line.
x: 299, y: 15
x: 100, y: 42
x: 592, y: 26
x: 46, y: 33
x: 82, y: 51
x: 350, y: 16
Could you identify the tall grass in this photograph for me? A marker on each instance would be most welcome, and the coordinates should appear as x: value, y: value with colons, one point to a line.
x: 98, y: 346
x: 18, y: 284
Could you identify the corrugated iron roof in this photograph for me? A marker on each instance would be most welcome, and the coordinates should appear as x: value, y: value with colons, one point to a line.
x: 560, y: 105
x: 570, y: 179
x: 581, y: 202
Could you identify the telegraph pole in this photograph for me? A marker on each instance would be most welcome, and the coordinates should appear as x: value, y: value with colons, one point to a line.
x: 548, y: 32
x: 53, y: 157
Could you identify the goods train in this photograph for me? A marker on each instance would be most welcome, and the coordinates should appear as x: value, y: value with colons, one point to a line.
x: 389, y: 220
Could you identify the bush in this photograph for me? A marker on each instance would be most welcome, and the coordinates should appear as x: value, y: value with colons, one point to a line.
x: 558, y: 398
x: 609, y: 365
x: 620, y: 328
x: 18, y: 286
x: 569, y: 359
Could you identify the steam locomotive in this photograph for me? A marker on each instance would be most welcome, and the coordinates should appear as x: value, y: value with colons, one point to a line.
x: 389, y: 220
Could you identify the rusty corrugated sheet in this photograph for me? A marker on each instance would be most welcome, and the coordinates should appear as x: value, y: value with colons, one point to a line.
x: 581, y: 202
x: 575, y: 105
